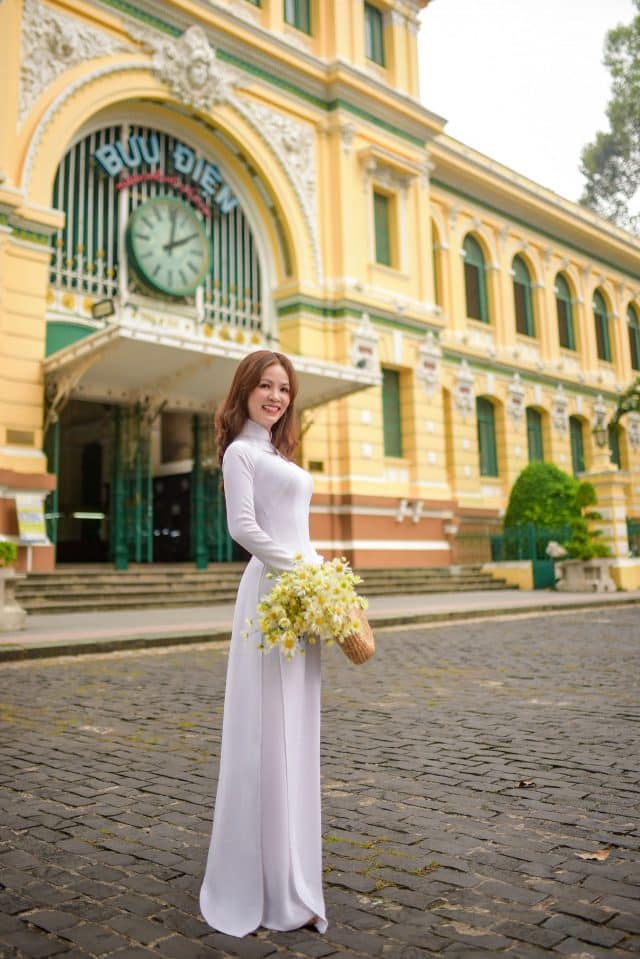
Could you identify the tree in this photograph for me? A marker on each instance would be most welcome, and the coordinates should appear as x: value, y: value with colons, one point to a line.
x: 611, y: 162
x: 628, y: 402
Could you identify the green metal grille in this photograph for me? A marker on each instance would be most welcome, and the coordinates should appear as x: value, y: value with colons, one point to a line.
x: 87, y: 252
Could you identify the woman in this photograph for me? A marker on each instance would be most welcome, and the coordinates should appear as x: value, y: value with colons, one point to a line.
x: 265, y: 859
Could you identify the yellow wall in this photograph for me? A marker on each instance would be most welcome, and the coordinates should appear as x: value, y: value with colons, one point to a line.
x: 367, y: 132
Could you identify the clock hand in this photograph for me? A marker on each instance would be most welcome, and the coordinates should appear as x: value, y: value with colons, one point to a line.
x: 185, y: 239
x: 174, y: 217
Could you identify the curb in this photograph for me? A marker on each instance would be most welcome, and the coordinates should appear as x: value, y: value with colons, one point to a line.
x: 18, y: 652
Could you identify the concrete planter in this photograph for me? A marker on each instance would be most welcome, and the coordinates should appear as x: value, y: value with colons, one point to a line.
x: 585, y: 575
x: 12, y: 616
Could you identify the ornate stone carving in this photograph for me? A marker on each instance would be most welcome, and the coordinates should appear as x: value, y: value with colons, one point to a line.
x: 633, y: 430
x: 190, y: 68
x: 364, y: 346
x: 293, y: 144
x: 429, y: 361
x: 463, y: 391
x: 52, y: 42
x: 515, y: 399
x: 560, y: 410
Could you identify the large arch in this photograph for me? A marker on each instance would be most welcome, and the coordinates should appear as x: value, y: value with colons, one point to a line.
x: 123, y: 84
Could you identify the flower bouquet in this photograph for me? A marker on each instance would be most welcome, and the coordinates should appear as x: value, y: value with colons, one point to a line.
x: 312, y: 603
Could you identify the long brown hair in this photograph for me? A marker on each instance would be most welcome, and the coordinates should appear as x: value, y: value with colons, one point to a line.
x: 233, y: 413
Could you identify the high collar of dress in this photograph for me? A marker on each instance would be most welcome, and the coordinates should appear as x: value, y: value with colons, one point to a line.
x: 257, y: 435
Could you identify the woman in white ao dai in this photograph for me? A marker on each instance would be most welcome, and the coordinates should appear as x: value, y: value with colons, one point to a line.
x: 265, y: 859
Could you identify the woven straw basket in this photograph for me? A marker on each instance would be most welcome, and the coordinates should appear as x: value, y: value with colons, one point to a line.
x: 359, y: 646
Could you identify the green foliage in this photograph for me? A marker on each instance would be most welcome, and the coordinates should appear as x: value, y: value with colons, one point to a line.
x: 542, y: 494
x: 611, y: 162
x: 545, y: 495
x: 8, y: 553
x: 628, y: 402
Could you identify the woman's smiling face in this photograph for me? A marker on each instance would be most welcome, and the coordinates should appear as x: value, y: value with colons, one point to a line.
x: 267, y: 402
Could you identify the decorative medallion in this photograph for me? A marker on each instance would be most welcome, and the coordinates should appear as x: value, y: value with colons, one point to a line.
x: 463, y: 395
x: 364, y: 346
x: 560, y: 410
x: 429, y: 361
x: 189, y: 67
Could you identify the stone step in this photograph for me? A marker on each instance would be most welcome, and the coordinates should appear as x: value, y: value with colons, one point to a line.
x: 102, y: 588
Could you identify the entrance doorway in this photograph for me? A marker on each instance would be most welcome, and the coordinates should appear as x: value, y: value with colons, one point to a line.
x: 135, y: 489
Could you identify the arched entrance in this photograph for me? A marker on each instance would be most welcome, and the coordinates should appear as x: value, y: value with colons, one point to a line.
x: 155, y: 272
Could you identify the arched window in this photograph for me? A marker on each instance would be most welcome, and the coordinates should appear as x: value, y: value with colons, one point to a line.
x: 634, y: 337
x: 564, y: 311
x: 435, y: 260
x: 475, y: 280
x: 577, y: 445
x: 534, y: 435
x: 486, y: 437
x: 601, y: 323
x: 522, y: 297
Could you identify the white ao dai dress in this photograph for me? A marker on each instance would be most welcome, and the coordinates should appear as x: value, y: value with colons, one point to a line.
x: 265, y: 859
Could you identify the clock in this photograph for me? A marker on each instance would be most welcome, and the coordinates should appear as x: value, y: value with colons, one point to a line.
x: 168, y: 246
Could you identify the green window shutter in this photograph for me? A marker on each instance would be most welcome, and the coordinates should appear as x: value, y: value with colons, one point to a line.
x: 601, y: 322
x: 614, y: 443
x: 486, y: 437
x: 523, y: 298
x: 391, y: 415
x: 577, y: 445
x: 475, y: 280
x: 437, y: 294
x: 534, y: 436
x: 373, y: 34
x: 382, y: 226
x: 297, y: 13
x: 634, y: 338
x: 564, y: 312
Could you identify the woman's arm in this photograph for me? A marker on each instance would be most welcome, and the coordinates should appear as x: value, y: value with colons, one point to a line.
x: 238, y: 469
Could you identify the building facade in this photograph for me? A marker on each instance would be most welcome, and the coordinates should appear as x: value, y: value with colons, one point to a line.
x: 181, y: 182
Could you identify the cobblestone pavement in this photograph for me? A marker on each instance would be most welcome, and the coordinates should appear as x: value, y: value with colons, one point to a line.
x: 466, y: 772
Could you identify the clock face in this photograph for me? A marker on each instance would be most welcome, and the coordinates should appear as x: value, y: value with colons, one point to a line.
x: 168, y: 246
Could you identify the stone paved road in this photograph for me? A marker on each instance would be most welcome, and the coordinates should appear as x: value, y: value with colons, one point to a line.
x: 434, y: 845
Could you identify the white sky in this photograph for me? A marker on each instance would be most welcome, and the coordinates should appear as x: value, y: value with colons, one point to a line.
x: 521, y: 81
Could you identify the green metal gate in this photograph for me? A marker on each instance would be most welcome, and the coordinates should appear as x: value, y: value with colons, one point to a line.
x: 633, y: 535
x: 529, y: 542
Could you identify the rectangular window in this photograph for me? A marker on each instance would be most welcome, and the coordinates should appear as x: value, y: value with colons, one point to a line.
x: 534, y: 437
x: 486, y: 438
x: 382, y: 218
x: 373, y: 34
x: 614, y: 444
x: 297, y: 13
x: 391, y: 414
x: 565, y: 325
x: 577, y: 446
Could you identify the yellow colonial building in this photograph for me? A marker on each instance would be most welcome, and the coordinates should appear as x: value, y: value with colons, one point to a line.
x: 184, y: 181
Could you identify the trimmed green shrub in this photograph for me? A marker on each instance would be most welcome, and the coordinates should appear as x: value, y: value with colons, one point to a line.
x: 546, y: 496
